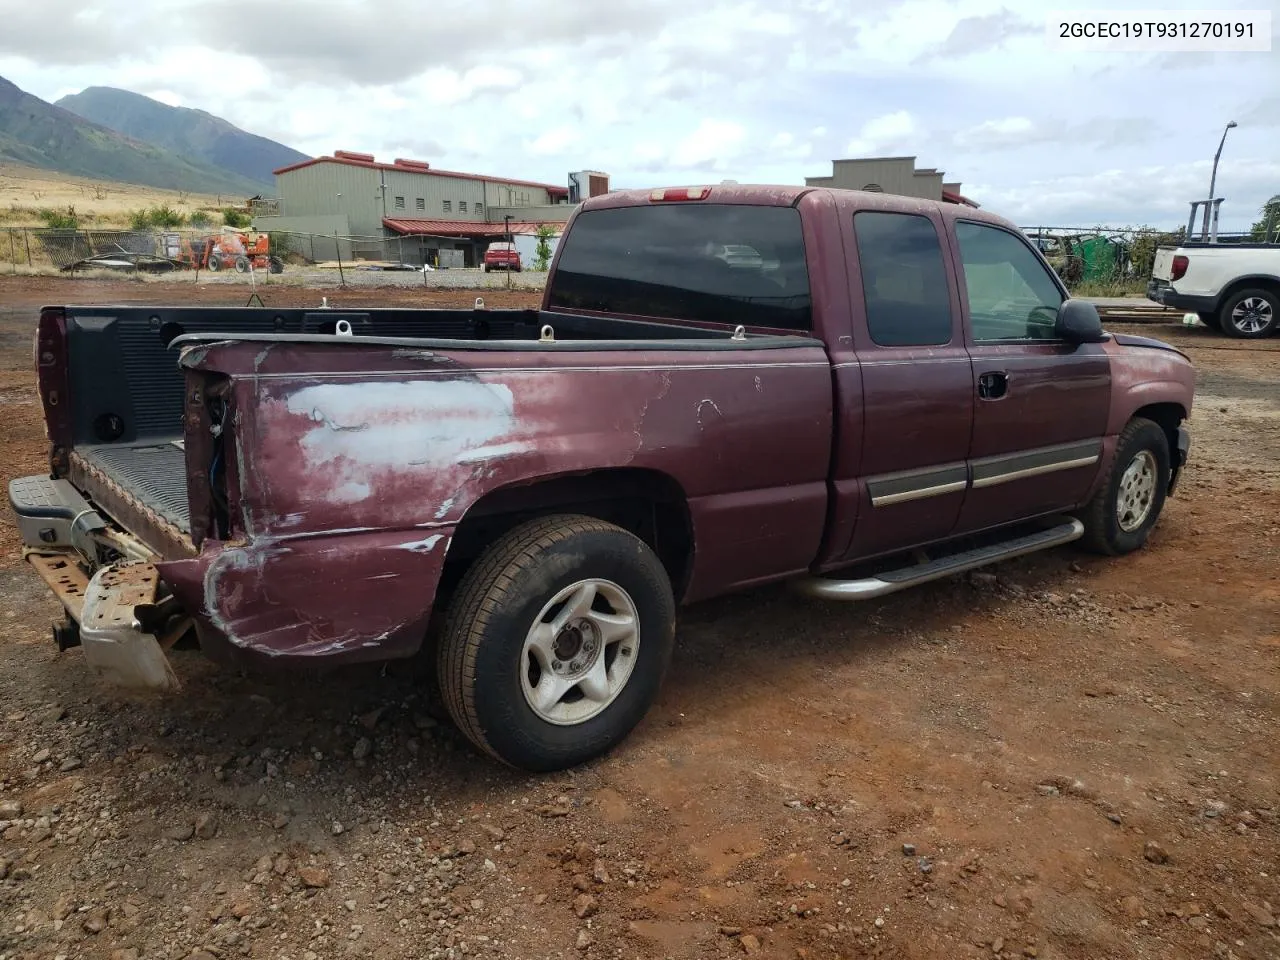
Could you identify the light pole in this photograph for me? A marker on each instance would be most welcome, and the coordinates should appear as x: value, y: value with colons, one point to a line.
x: 1213, y: 177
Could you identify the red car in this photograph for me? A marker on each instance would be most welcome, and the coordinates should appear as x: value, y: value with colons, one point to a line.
x: 891, y: 390
x: 501, y: 256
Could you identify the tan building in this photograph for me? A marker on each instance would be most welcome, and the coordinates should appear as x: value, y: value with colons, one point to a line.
x: 362, y: 203
x: 896, y: 175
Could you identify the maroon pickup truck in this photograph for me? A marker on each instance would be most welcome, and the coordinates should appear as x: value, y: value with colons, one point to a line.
x: 872, y: 392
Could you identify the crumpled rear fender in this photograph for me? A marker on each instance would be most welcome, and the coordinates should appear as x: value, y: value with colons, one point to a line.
x: 340, y: 598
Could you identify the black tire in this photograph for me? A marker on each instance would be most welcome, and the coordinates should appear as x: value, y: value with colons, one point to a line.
x: 275, y: 265
x: 242, y: 264
x: 1259, y: 314
x: 1104, y: 531
x: 482, y: 658
x: 1212, y: 321
x: 215, y: 262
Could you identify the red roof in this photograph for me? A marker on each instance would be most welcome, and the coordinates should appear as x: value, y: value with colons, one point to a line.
x: 416, y: 166
x: 455, y: 228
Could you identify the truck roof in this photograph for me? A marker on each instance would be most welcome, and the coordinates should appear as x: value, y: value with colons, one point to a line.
x: 785, y: 195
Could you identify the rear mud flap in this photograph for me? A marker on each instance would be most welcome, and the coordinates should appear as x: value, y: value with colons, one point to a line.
x: 115, y: 646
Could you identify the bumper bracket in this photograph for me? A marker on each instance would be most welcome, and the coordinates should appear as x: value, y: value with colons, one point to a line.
x: 115, y: 646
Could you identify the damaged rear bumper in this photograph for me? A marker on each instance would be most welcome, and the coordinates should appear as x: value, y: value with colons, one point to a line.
x: 315, y: 599
x: 112, y: 609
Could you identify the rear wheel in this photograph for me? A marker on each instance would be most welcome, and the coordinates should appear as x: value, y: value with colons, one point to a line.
x: 215, y: 262
x: 1250, y: 314
x: 242, y: 264
x: 556, y: 642
x: 1127, y: 505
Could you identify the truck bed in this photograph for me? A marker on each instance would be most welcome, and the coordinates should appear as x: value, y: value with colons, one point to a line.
x: 153, y: 472
x: 126, y: 386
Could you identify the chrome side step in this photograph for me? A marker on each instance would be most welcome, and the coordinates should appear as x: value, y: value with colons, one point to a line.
x: 892, y: 581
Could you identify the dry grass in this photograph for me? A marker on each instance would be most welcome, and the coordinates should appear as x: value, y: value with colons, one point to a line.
x: 25, y: 191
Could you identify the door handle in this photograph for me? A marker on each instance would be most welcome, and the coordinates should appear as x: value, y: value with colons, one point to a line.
x: 993, y: 385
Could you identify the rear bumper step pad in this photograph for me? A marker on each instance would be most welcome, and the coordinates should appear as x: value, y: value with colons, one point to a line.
x: 51, y: 513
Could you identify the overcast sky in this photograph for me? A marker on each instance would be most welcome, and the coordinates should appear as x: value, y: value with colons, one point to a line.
x: 670, y: 92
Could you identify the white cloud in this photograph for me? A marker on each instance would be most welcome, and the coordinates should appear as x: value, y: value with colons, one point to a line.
x: 710, y: 146
x: 992, y: 134
x: 554, y: 142
x: 163, y: 95
x: 1150, y: 195
x: 890, y: 133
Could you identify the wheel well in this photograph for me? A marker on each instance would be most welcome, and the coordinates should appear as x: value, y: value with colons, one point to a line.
x: 649, y: 504
x: 1270, y: 284
x: 1168, y: 416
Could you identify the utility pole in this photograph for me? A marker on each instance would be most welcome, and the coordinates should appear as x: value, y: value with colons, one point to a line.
x: 507, y: 220
x: 1213, y: 179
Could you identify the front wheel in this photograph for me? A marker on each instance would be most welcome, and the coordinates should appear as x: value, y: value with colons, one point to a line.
x: 1250, y: 314
x: 556, y: 642
x: 1121, y: 514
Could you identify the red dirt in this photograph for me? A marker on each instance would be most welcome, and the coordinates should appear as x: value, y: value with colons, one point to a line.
x: 1028, y: 731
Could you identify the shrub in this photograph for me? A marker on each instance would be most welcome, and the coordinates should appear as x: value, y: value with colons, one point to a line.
x: 200, y: 218
x: 59, y: 219
x: 235, y: 218
x: 165, y: 216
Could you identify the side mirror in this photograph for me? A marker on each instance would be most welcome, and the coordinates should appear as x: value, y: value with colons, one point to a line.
x: 1078, y: 322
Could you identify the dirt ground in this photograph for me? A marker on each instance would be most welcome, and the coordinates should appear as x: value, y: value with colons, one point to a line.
x: 1061, y: 757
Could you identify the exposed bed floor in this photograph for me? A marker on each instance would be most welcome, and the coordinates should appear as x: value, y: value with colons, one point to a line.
x: 154, y: 471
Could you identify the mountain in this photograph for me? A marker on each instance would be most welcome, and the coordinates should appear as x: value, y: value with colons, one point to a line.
x: 193, y: 134
x: 40, y: 134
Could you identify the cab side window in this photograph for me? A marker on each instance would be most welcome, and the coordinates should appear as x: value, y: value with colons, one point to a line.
x: 1011, y: 294
x: 904, y: 281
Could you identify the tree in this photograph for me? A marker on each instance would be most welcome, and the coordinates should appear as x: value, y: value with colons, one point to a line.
x: 542, y: 252
x: 1268, y: 220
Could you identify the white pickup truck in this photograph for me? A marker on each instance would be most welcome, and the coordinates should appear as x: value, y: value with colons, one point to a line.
x: 1235, y: 288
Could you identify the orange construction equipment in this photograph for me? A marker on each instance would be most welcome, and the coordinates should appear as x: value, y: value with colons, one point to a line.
x: 241, y: 250
x: 222, y: 251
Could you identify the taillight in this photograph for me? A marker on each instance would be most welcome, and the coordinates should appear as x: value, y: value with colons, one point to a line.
x: 1179, y: 267
x: 53, y: 383
x: 681, y: 193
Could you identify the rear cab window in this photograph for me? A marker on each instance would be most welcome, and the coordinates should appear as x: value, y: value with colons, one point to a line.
x: 702, y: 262
x: 904, y: 279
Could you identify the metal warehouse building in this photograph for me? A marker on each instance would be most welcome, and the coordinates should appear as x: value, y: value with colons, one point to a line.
x: 426, y: 211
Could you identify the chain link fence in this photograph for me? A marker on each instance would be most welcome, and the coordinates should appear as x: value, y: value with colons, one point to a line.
x: 66, y: 249
x: 47, y: 249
